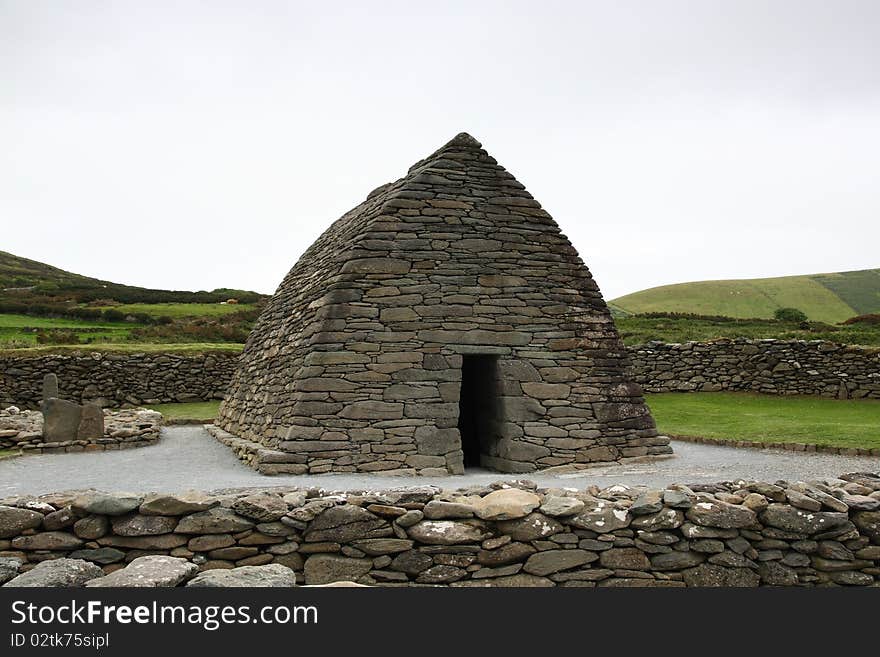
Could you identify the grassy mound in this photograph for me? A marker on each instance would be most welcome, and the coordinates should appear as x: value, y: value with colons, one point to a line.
x: 827, y: 298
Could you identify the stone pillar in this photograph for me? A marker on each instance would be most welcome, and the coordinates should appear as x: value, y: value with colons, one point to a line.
x: 91, y: 424
x: 61, y: 420
x: 50, y: 387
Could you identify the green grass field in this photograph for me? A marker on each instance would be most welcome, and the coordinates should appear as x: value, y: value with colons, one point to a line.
x: 858, y: 289
x: 764, y: 418
x: 17, y: 329
x: 633, y: 330
x: 734, y: 416
x: 127, y: 347
x: 751, y: 298
x: 20, y: 331
x: 190, y: 411
x: 828, y: 298
x: 19, y: 321
x: 178, y: 310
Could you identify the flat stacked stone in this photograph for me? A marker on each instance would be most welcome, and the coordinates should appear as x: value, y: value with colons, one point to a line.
x: 75, y: 428
x: 20, y: 427
x: 355, y: 365
x: 113, y: 380
x: 774, y: 367
x: 741, y: 533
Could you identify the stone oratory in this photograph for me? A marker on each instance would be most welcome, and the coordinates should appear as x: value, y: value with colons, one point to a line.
x: 444, y: 323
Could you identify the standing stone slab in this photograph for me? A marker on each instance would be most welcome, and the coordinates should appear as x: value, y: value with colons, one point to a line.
x: 91, y: 424
x: 50, y: 387
x: 61, y: 420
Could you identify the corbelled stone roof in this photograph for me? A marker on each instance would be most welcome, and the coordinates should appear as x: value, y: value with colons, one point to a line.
x: 363, y: 340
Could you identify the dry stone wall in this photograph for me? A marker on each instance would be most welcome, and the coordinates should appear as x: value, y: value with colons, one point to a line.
x: 776, y: 367
x: 764, y: 366
x: 117, y: 379
x: 821, y: 533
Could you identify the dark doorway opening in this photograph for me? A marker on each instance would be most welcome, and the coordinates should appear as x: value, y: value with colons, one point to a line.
x: 478, y: 407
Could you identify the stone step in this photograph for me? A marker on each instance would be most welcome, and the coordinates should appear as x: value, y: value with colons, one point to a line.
x: 256, y: 455
x: 282, y: 468
x: 274, y: 456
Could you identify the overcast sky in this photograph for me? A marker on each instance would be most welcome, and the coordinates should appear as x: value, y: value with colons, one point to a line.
x: 195, y: 145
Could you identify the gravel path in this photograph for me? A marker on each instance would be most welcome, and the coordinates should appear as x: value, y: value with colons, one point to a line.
x: 187, y: 457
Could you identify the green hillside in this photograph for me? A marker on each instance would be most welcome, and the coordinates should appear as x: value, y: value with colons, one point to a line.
x: 41, y: 305
x: 859, y: 289
x: 30, y: 282
x: 830, y: 298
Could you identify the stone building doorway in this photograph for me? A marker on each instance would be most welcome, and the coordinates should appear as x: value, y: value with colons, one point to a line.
x: 479, y: 407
